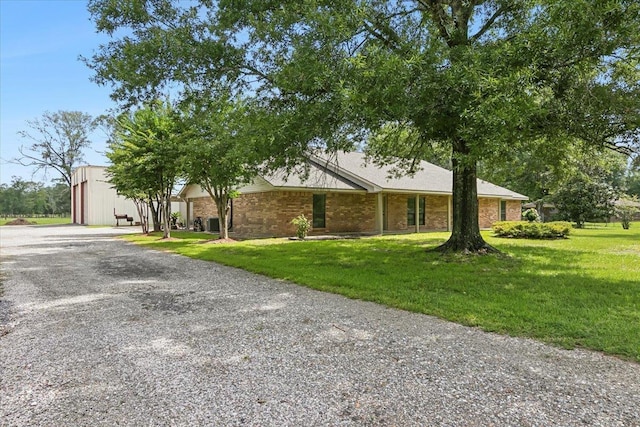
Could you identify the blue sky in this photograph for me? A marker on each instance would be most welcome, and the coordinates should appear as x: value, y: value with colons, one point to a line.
x: 40, y: 71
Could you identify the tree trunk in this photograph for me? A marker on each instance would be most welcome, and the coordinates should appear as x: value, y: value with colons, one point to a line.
x: 166, y: 216
x: 220, y: 196
x: 221, y: 204
x: 144, y: 220
x: 155, y: 214
x: 465, y: 235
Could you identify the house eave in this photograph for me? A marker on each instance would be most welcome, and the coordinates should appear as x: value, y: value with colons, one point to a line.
x: 413, y: 191
x: 321, y: 190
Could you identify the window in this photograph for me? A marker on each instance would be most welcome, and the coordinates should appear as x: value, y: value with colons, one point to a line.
x: 319, y: 208
x: 503, y: 210
x: 411, y: 211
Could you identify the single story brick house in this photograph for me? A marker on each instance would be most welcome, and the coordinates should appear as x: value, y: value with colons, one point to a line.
x: 348, y: 195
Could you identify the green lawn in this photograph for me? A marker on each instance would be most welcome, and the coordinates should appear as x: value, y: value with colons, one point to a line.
x: 580, y: 292
x: 41, y: 221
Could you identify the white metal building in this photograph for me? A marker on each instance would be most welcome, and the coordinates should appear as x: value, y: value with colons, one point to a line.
x: 95, y: 202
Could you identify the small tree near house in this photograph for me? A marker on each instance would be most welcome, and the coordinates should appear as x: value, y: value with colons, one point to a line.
x: 144, y: 162
x: 217, y: 150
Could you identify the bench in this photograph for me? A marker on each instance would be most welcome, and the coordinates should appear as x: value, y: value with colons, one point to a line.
x: 126, y: 217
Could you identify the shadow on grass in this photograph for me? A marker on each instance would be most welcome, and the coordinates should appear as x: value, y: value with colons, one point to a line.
x: 548, y: 293
x: 532, y: 293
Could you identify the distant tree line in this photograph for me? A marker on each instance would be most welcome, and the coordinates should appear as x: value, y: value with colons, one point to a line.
x: 28, y: 199
x: 582, y: 182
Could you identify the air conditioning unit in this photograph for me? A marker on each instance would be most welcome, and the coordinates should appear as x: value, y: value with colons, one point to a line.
x: 213, y: 224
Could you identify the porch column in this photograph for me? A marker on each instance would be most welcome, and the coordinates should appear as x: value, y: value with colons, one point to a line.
x: 418, y: 213
x: 188, y: 219
x: 380, y: 213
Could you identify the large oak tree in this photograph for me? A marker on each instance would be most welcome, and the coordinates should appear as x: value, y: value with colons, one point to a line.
x: 481, y: 78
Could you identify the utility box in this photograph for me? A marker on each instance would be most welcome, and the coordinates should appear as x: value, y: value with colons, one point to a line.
x: 213, y: 224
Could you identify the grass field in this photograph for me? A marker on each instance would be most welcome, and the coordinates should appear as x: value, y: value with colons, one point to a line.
x: 579, y: 292
x: 40, y: 221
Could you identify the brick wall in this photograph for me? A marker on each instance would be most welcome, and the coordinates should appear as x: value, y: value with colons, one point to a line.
x: 204, y: 207
x: 437, y: 208
x: 514, y: 210
x: 270, y: 213
x: 397, y: 212
x: 488, y: 212
x: 349, y: 212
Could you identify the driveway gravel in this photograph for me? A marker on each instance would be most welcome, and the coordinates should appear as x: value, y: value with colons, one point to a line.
x: 99, y: 332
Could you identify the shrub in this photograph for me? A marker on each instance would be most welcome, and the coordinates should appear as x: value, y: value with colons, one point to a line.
x: 532, y: 230
x: 582, y: 199
x: 531, y: 215
x: 625, y: 210
x: 175, y: 218
x: 303, y: 225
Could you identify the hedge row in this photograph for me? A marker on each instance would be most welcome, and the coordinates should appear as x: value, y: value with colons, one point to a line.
x: 532, y: 230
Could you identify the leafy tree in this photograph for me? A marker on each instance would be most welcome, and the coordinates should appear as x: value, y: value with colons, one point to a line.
x: 541, y: 171
x: 582, y: 199
x: 144, y: 153
x: 13, y: 197
x: 37, y: 199
x: 124, y: 178
x: 58, y: 199
x: 120, y: 176
x: 57, y: 142
x: 484, y: 78
x: 626, y: 209
x: 17, y: 199
x: 219, y: 150
x: 632, y: 180
x: 33, y: 198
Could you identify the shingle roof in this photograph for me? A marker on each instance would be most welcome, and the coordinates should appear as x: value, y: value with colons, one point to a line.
x: 319, y: 177
x: 351, y: 171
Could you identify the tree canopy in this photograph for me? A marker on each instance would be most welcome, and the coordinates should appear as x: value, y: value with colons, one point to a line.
x: 26, y: 198
x: 219, y: 149
x: 145, y: 161
x: 482, y: 79
x: 57, y: 142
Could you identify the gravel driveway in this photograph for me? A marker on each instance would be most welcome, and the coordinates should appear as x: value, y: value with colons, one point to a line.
x: 96, y: 331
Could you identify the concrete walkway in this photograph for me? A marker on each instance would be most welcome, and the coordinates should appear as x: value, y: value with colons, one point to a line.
x: 95, y: 331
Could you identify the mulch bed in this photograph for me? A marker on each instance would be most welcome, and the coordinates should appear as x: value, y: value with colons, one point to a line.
x: 21, y: 221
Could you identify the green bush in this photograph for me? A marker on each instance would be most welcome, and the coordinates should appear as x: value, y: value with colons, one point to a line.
x: 532, y: 230
x: 303, y: 225
x: 531, y: 215
x: 626, y: 209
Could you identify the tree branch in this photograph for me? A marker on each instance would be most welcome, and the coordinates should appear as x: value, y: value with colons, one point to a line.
x: 441, y: 19
x: 487, y: 25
